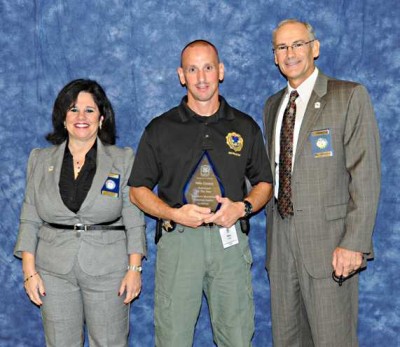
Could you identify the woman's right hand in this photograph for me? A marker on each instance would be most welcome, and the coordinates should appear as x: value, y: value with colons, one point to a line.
x: 34, y: 287
x: 33, y: 283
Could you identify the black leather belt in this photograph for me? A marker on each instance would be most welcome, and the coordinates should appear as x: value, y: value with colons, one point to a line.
x: 208, y: 225
x: 169, y: 225
x: 86, y: 227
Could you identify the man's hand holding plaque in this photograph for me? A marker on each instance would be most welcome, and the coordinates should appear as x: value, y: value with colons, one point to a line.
x: 228, y: 213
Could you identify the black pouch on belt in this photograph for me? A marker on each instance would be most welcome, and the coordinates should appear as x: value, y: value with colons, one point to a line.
x: 245, y: 225
x: 158, y: 233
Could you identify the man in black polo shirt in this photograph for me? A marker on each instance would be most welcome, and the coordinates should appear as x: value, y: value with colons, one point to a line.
x: 204, y: 245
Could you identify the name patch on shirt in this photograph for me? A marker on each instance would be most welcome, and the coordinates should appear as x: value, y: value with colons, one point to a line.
x: 321, y: 143
x: 111, y: 185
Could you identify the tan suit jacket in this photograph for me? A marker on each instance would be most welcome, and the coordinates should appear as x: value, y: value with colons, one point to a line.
x: 335, y: 197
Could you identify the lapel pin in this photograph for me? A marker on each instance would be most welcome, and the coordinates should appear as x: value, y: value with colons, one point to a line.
x: 51, y: 168
x: 317, y: 105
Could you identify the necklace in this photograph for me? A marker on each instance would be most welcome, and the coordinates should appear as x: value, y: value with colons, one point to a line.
x: 78, y: 166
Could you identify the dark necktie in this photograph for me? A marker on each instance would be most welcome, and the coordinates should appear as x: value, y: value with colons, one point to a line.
x: 285, y: 205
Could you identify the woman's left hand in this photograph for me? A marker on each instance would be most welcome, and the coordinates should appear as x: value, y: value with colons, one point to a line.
x: 132, y: 285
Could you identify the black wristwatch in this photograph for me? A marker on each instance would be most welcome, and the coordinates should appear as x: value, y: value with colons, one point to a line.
x: 248, y: 208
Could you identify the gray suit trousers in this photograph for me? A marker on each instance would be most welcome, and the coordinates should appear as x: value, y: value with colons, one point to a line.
x: 76, y: 297
x: 299, y: 301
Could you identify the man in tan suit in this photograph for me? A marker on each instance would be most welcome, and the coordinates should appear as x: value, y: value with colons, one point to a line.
x: 326, y: 169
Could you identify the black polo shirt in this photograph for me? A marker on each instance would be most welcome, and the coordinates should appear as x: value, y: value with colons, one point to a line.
x: 173, y: 143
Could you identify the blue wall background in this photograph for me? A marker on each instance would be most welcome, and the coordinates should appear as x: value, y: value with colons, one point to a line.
x: 132, y: 48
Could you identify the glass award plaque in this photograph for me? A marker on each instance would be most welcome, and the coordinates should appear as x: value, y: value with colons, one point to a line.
x: 203, y: 185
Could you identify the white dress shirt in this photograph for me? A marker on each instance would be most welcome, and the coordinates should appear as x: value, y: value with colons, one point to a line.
x: 305, y: 89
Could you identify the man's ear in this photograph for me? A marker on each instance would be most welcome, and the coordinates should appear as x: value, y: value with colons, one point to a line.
x: 315, y: 49
x: 181, y: 76
x: 221, y: 72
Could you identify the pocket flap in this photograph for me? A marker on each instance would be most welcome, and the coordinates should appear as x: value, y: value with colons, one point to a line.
x: 111, y: 236
x: 47, y: 234
x: 335, y: 211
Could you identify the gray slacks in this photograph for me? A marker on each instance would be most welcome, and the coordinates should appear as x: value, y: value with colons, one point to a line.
x: 308, y: 311
x: 77, y: 298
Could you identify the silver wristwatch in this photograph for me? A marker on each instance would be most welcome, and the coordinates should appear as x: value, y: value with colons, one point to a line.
x: 136, y: 268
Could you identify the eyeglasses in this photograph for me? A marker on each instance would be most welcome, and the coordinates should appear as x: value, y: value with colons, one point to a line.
x: 296, y: 47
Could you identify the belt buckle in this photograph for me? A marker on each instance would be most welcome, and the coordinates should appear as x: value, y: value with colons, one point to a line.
x: 79, y: 227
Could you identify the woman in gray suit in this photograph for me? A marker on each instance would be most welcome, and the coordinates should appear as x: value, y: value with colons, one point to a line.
x: 80, y: 238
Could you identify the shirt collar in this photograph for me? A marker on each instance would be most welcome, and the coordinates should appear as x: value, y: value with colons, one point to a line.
x: 305, y: 89
x: 224, y: 112
x: 91, y: 155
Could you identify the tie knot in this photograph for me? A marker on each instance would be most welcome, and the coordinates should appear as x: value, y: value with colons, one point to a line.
x: 293, y: 96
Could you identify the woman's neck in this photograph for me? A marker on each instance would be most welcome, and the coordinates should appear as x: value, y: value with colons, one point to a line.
x: 79, y: 149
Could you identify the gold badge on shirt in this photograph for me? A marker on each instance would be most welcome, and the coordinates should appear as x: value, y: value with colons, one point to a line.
x: 235, y: 142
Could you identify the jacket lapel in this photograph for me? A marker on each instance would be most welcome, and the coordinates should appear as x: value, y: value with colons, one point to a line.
x: 104, y: 163
x: 272, y: 128
x: 314, y: 108
x: 53, y: 171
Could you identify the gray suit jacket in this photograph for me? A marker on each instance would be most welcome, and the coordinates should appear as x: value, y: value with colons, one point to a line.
x: 98, y: 252
x: 335, y: 198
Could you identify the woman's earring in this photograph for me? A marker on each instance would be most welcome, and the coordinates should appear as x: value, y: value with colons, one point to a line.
x: 101, y: 124
x: 65, y: 125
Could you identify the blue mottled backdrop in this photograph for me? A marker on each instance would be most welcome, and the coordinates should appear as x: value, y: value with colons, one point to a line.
x: 132, y: 48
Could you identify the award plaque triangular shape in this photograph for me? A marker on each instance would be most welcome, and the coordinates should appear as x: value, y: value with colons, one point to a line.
x: 203, y: 184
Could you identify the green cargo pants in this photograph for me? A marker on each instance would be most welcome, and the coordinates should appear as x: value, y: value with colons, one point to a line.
x: 190, y: 262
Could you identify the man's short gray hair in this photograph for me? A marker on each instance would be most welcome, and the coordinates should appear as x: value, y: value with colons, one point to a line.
x: 308, y: 26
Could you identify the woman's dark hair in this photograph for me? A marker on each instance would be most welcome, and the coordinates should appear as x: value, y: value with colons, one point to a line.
x: 68, y: 96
